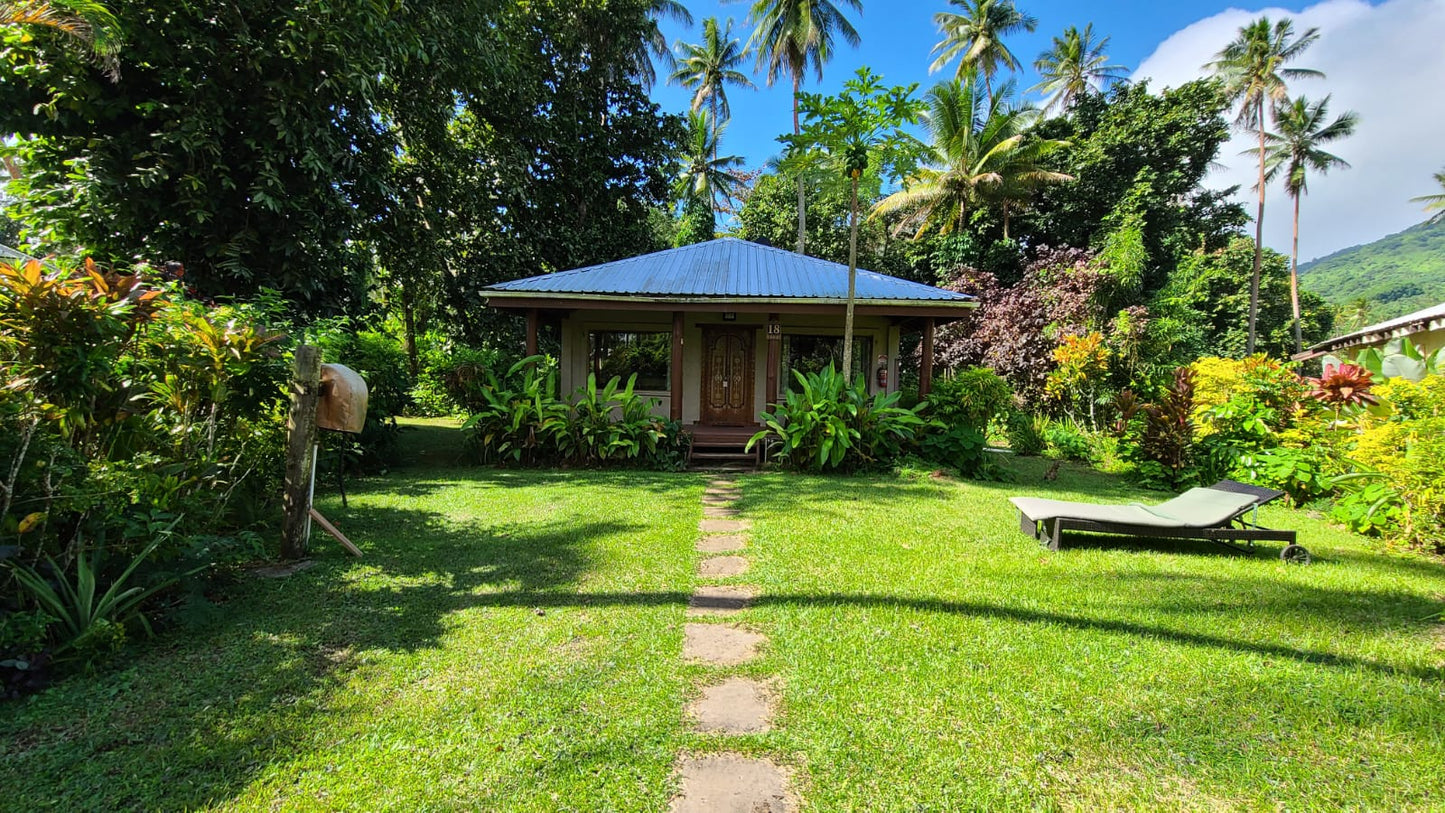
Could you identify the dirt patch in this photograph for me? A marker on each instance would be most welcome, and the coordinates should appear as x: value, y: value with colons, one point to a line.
x: 284, y: 570
x: 719, y: 645
x: 713, y: 599
x: 723, y: 526
x: 721, y: 544
x: 731, y: 783
x: 735, y: 706
x: 722, y: 566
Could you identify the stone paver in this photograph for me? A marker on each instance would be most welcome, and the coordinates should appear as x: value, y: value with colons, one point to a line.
x: 715, y: 567
x: 723, y: 526
x: 716, y: 599
x: 716, y: 499
x: 725, y: 543
x: 718, y: 511
x: 719, y: 645
x: 735, y: 706
x: 731, y: 783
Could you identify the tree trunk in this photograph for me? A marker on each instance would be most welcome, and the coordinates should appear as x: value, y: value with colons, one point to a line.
x: 1299, y: 344
x: 1005, y: 220
x: 1258, y: 237
x: 408, y: 339
x: 852, y: 283
x: 802, y: 201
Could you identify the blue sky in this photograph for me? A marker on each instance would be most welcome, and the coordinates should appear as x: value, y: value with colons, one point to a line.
x: 897, y: 39
x: 1394, y: 151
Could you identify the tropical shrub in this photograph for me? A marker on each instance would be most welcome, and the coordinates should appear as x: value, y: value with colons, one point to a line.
x: 1026, y: 432
x: 1159, y: 438
x: 1067, y: 440
x: 1082, y: 371
x: 127, y: 411
x: 827, y: 423
x: 381, y: 361
x: 1399, y: 450
x: 521, y: 421
x: 973, y: 397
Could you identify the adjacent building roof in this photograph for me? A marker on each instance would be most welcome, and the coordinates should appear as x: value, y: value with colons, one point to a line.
x: 726, y: 270
x: 1432, y: 318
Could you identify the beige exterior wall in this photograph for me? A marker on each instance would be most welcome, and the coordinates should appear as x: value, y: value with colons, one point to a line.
x: 577, y: 327
x: 1427, y: 340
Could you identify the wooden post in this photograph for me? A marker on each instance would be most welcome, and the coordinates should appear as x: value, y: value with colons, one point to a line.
x: 925, y: 371
x: 775, y: 358
x: 532, y: 319
x: 675, y: 397
x: 300, y: 451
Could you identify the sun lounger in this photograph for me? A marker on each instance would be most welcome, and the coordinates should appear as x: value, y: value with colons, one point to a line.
x: 1214, y: 514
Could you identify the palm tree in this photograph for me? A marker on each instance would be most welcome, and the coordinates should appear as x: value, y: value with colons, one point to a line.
x: 89, y: 24
x: 654, y: 43
x: 709, y: 67
x: 977, y: 35
x: 1295, y: 151
x: 704, y: 174
x: 1434, y: 203
x: 1356, y: 313
x: 1252, y: 68
x: 792, y: 36
x: 1074, y: 66
x: 982, y: 153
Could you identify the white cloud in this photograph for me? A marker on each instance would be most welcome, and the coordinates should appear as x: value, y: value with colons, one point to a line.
x: 1387, y: 63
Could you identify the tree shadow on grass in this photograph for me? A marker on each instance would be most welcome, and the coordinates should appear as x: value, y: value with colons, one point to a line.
x: 196, y: 717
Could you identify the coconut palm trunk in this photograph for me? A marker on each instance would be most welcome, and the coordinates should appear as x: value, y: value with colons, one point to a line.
x: 1299, y: 343
x: 1258, y: 235
x: 802, y: 200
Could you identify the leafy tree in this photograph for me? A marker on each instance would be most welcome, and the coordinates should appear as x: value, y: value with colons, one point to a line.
x: 1209, y: 297
x: 982, y: 151
x: 1434, y: 203
x: 1295, y: 150
x: 87, y: 24
x: 1252, y: 68
x: 859, y: 128
x: 448, y: 145
x: 1138, y: 158
x: 1074, y: 66
x: 975, y: 37
x: 698, y: 222
x: 792, y: 36
x: 709, y: 67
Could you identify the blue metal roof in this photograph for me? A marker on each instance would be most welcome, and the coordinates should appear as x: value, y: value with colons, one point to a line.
x: 728, y: 268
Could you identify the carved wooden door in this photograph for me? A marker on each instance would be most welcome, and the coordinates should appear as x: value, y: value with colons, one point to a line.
x: 727, y: 376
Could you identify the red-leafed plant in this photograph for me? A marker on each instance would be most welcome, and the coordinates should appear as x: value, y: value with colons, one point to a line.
x: 1344, y: 386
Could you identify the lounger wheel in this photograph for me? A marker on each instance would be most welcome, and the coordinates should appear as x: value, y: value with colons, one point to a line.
x: 1295, y: 555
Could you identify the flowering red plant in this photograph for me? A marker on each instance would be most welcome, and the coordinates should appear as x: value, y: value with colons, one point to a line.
x: 1344, y: 385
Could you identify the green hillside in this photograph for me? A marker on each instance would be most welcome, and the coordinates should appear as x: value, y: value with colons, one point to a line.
x: 1398, y: 274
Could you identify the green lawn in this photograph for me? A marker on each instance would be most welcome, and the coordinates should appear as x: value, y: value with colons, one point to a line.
x: 511, y: 641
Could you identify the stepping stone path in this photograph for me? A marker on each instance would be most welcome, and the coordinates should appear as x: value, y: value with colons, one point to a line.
x: 733, y: 705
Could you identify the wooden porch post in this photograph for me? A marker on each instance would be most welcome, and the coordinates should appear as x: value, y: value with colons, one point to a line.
x: 675, y: 405
x: 775, y: 350
x: 531, y: 331
x: 925, y: 371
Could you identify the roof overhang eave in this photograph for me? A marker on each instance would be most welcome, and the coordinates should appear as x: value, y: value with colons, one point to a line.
x: 782, y: 302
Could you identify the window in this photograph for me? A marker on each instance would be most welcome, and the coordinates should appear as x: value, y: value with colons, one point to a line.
x: 810, y: 354
x: 622, y: 353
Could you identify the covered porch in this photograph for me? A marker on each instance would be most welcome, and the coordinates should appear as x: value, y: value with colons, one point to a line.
x: 714, y: 331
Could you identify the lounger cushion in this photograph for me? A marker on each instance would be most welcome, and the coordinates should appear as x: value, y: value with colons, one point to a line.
x: 1195, y: 508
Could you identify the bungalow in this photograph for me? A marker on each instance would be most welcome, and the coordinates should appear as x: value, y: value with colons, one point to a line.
x: 1426, y: 328
x: 715, y: 329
